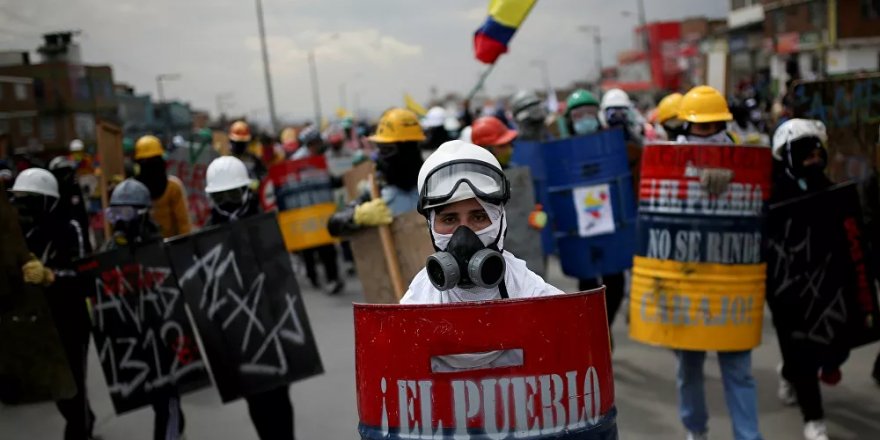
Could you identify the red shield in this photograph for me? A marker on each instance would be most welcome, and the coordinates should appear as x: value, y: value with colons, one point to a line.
x: 530, y: 369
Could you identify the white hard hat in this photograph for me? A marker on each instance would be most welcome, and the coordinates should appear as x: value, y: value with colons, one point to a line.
x: 465, y: 161
x: 451, y: 123
x: 435, y: 118
x: 465, y: 134
x: 794, y: 129
x: 37, y: 181
x: 76, y: 145
x: 226, y: 173
x: 615, y: 98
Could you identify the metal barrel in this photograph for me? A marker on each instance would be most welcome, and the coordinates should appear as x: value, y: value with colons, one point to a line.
x: 699, y: 273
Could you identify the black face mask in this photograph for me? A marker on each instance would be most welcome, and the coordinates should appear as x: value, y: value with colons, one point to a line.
x: 400, y: 166
x: 153, y: 176
x: 466, y: 263
x: 238, y: 148
x: 33, y: 210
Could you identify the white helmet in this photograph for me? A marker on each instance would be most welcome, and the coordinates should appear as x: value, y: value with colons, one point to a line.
x: 459, y: 171
x: 794, y: 129
x: 76, y: 145
x: 37, y: 181
x: 615, y: 98
x: 435, y: 118
x: 226, y: 173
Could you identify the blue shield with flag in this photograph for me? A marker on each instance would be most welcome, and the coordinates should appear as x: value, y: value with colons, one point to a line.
x: 590, y: 191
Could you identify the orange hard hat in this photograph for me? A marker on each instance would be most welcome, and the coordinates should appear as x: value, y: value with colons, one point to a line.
x: 240, y: 132
x: 488, y: 131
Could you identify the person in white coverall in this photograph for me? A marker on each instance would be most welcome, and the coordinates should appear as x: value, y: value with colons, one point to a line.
x: 462, y: 192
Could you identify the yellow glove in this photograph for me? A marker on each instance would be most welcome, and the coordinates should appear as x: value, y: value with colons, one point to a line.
x: 35, y: 273
x: 373, y: 213
x: 538, y: 218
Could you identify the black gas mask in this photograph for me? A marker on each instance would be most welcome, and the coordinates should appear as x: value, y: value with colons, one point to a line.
x: 33, y: 209
x: 466, y: 262
x: 128, y: 222
x: 231, y: 203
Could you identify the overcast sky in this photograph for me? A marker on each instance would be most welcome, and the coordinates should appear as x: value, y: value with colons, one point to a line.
x: 382, y: 48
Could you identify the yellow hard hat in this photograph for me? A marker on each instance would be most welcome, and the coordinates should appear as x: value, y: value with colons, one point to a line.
x: 147, y: 147
x: 668, y: 107
x: 704, y: 104
x: 398, y: 125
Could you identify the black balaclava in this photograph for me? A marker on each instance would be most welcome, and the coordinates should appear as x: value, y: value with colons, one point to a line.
x: 153, y: 176
x: 238, y: 148
x: 34, y: 211
x: 798, y: 151
x: 401, y: 168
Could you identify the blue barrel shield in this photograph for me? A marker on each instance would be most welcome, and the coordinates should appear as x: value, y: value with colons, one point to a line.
x: 590, y: 191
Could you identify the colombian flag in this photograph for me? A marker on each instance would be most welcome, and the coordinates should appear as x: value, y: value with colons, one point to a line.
x: 505, y: 16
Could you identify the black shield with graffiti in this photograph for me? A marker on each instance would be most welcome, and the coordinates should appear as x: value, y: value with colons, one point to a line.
x: 143, y: 337
x: 821, y: 285
x: 240, y: 288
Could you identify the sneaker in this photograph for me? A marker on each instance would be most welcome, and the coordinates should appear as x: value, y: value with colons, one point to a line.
x: 697, y: 436
x: 815, y: 430
x: 785, y: 392
x: 335, y: 287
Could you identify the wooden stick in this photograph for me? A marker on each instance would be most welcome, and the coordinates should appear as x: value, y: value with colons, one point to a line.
x: 388, y: 247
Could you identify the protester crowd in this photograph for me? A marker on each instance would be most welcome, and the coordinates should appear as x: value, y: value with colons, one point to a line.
x: 449, y: 165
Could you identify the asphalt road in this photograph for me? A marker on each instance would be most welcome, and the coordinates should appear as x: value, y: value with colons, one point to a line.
x: 325, y: 405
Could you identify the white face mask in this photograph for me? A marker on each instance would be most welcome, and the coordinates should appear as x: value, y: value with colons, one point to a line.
x: 487, y: 235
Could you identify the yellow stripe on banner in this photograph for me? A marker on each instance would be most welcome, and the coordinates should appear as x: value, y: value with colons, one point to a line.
x: 510, y: 12
x: 697, y: 306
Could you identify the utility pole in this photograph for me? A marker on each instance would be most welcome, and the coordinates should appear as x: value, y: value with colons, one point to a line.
x: 597, y: 42
x: 316, y: 97
x: 273, y: 119
x: 161, y: 78
x: 643, y: 24
x: 343, y: 98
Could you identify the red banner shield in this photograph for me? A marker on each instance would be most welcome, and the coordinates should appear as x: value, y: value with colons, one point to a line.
x: 534, y: 368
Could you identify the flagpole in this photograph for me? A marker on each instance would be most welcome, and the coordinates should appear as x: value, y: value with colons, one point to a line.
x: 480, y: 82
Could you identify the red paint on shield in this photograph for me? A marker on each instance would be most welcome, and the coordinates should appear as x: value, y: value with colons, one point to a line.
x: 564, y: 382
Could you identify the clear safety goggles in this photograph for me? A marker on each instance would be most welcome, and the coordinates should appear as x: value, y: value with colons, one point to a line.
x: 464, y: 177
x: 115, y: 214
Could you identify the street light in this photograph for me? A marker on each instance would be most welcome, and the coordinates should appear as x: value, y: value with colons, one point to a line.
x: 313, y: 70
x: 273, y: 119
x: 597, y: 41
x: 162, y: 77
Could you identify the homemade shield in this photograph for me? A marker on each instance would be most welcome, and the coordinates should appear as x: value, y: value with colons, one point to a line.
x: 189, y: 164
x: 521, y: 239
x: 536, y: 368
x: 698, y: 277
x: 240, y: 289
x: 142, y: 334
x: 821, y: 279
x: 413, y: 245
x: 304, y: 196
x: 33, y: 365
x: 591, y: 195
